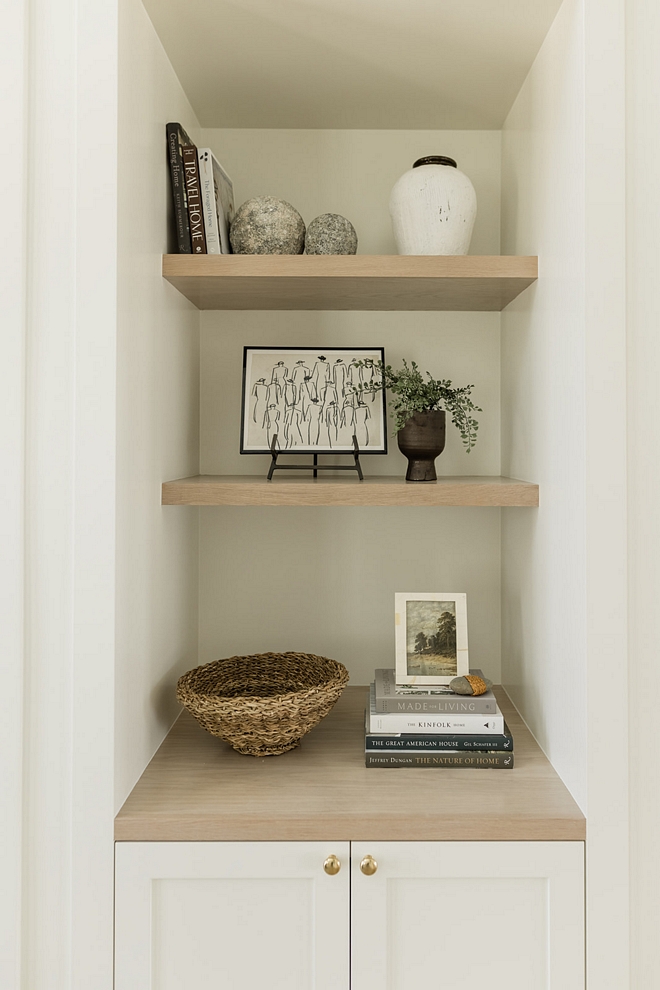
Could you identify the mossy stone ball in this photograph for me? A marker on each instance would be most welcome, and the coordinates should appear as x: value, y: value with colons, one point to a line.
x: 331, y: 234
x: 265, y: 225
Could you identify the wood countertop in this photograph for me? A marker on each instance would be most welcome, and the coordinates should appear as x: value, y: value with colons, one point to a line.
x: 197, y: 788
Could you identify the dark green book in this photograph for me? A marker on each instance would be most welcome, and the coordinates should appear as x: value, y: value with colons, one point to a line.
x: 458, y: 759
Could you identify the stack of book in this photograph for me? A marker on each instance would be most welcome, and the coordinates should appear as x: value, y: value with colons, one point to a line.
x: 433, y: 727
x: 202, y: 194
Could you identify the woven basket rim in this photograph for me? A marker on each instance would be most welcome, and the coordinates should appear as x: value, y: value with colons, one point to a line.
x: 339, y: 677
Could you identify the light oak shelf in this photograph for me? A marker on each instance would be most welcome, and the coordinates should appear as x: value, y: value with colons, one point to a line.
x: 350, y: 282
x: 197, y: 788
x: 256, y: 490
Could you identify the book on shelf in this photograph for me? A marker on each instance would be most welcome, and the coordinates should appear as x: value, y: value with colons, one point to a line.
x: 475, y: 760
x: 195, y: 212
x: 177, y: 140
x: 380, y: 742
x: 393, y: 697
x: 420, y: 723
x: 217, y: 194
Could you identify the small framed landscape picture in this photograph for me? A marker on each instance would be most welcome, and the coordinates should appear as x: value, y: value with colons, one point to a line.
x: 431, y: 637
x: 312, y: 399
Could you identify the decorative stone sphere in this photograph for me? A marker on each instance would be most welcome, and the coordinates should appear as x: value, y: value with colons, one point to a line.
x: 331, y: 234
x: 267, y: 226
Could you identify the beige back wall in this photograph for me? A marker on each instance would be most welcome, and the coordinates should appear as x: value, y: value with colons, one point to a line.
x: 323, y: 580
x: 352, y: 173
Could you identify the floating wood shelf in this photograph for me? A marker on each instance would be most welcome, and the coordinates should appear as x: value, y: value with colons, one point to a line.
x: 255, y: 490
x: 196, y: 788
x: 355, y: 282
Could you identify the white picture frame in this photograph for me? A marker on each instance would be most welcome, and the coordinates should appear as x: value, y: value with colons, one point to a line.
x: 426, y: 650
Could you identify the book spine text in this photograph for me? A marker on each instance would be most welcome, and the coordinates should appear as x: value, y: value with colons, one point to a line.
x: 474, y: 761
x: 181, y: 221
x: 453, y: 705
x: 195, y: 212
x: 470, y: 725
x: 209, y: 207
x: 398, y: 744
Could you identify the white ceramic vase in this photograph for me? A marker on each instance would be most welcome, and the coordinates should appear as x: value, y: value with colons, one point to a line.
x: 433, y: 208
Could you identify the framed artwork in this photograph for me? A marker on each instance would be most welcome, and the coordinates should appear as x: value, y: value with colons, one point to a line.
x: 431, y: 637
x: 309, y: 397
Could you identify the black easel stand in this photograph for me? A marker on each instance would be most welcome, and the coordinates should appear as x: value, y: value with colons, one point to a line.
x: 315, y: 467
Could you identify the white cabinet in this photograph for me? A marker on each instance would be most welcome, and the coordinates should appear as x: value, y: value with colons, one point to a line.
x: 255, y: 915
x: 234, y: 915
x: 464, y: 915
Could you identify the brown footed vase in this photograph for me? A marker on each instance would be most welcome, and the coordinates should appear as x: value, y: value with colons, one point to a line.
x: 421, y: 440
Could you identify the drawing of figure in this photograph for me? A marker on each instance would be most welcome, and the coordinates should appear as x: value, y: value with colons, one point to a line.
x: 346, y: 419
x: 354, y: 376
x: 259, y: 392
x: 313, y: 421
x: 321, y: 375
x: 290, y: 393
x: 274, y: 397
x: 300, y: 372
x: 305, y: 395
x: 331, y: 420
x: 347, y: 413
x: 272, y: 422
x: 371, y: 375
x: 328, y: 394
x: 340, y: 375
x: 280, y: 374
x: 362, y: 415
x: 293, y: 422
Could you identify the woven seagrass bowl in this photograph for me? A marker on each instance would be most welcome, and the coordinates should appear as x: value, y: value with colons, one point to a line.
x: 262, y: 705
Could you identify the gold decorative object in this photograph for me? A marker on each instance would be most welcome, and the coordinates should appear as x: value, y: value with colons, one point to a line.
x: 368, y: 866
x: 262, y: 705
x: 332, y: 866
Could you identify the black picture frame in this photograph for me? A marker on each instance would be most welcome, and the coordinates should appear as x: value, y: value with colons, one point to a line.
x: 310, y: 379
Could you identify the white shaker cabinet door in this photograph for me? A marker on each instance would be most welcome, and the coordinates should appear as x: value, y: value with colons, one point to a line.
x: 231, y: 916
x: 468, y: 915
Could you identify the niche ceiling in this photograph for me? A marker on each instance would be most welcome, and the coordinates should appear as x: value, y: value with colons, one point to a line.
x: 386, y: 64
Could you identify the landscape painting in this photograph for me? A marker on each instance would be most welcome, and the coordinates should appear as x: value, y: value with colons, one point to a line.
x: 312, y: 400
x: 431, y: 637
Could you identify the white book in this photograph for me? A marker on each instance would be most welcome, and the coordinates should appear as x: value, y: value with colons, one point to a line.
x: 217, y: 194
x: 424, y: 724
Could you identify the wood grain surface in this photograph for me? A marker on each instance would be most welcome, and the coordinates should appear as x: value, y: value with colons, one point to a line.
x: 350, y: 282
x: 287, y: 490
x: 197, y: 788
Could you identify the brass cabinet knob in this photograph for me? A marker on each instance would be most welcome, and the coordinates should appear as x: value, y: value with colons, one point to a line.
x: 368, y: 866
x: 332, y: 866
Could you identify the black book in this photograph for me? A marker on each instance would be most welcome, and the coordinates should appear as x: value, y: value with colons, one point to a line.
x: 476, y: 760
x: 177, y: 140
x: 384, y: 742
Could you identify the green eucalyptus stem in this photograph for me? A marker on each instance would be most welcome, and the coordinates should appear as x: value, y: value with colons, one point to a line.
x: 412, y: 393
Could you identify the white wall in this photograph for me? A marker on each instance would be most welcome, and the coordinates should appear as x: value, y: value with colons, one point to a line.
x: 13, y: 284
x: 543, y: 416
x: 643, y: 32
x: 59, y: 336
x: 323, y: 580
x: 563, y: 416
x: 157, y: 412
